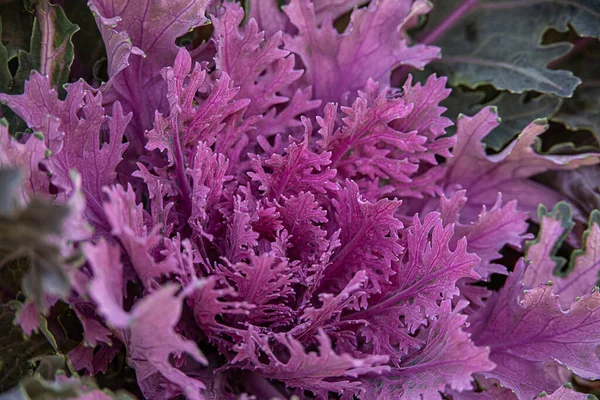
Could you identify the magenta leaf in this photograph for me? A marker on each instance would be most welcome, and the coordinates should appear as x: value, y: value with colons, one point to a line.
x: 369, y: 239
x: 298, y: 170
x: 266, y: 283
x: 528, y: 330
x: 484, y: 176
x: 371, y: 46
x: 127, y: 221
x: 148, y: 28
x: 575, y: 278
x: 107, y: 286
x: 28, y: 156
x: 428, y: 272
x: 318, y: 372
x: 303, y: 218
x: 73, y: 130
x: 447, y: 360
x: 262, y: 70
x: 152, y: 339
x: 502, y: 225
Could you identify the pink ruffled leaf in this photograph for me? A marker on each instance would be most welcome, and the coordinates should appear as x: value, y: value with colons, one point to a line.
x: 127, y: 221
x: 447, y: 360
x: 147, y: 28
x: 106, y: 286
x: 320, y: 372
x: 266, y: 283
x: 528, y: 330
x: 152, y: 340
x: 369, y: 239
x: 507, y: 172
x: 299, y: 170
x: 571, y: 279
x: 502, y: 225
x: 371, y: 46
x: 261, y: 68
x: 73, y: 135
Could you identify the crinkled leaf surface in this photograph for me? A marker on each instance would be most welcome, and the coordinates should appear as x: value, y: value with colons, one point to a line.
x: 495, y: 228
x: 472, y: 55
x: 369, y: 238
x: 447, y: 360
x: 528, y: 330
x: 262, y: 69
x: 318, y: 372
x: 370, y: 47
x: 152, y: 340
x: 427, y: 272
x: 484, y: 176
x: 126, y: 218
x: 152, y: 27
x: 75, y: 135
x: 581, y: 274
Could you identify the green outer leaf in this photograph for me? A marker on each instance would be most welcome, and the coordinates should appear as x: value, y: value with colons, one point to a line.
x: 44, y: 384
x: 51, y: 49
x: 5, y: 76
x: 498, y: 43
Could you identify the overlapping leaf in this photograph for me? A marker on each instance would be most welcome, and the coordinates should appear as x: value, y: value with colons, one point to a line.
x: 473, y: 57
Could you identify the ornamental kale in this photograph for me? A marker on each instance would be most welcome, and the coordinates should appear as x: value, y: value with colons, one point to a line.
x: 269, y: 202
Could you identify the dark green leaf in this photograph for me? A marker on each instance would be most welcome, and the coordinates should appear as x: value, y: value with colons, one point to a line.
x: 16, y: 350
x: 582, y: 111
x: 499, y: 42
x: 5, y: 75
x: 89, y: 47
x: 18, y: 23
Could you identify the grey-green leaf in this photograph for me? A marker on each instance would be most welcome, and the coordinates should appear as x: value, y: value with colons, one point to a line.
x: 582, y: 111
x: 24, y: 234
x: 499, y: 43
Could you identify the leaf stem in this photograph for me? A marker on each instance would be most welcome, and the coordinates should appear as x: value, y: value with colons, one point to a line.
x: 448, y: 22
x: 579, y: 45
x: 184, y: 184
